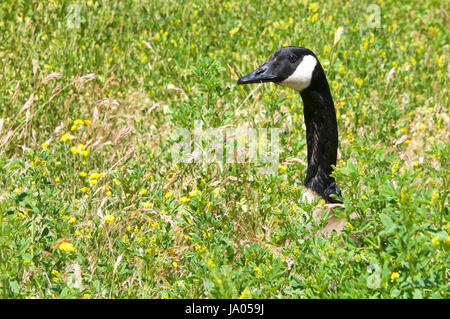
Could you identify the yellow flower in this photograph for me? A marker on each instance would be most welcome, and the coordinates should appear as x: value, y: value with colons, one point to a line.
x: 184, y: 199
x: 234, y: 30
x: 56, y: 275
x: 143, y: 191
x: 404, y: 197
x: 282, y: 168
x: 168, y: 195
x: 175, y: 264
x: 95, y: 175
x: 350, y: 137
x: 313, y: 7
x: 66, y: 247
x: 72, y: 220
x: 18, y: 190
x: 394, y: 276
x: 157, y: 37
x: 206, y: 234
x: 74, y: 150
x: 92, y: 181
x: 108, y: 193
x: 359, y: 81
x: 109, y: 219
x: 85, y: 189
x: 78, y: 122
x: 257, y: 271
x: 211, y: 263
x: 45, y: 146
x: 85, y: 153
x: 434, y: 197
x: 83, y: 174
x: 147, y: 205
x: 395, y: 168
x: 66, y: 137
x: 57, y: 180
x: 435, y: 241
x: 314, y: 17
x: 87, y: 122
x: 194, y: 193
x: 245, y: 294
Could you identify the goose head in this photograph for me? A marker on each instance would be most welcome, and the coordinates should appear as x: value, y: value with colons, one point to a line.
x: 299, y: 69
x: 292, y: 67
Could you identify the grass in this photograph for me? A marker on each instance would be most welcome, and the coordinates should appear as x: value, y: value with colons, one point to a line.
x: 92, y: 204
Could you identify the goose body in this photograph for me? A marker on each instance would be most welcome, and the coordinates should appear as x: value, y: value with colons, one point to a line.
x: 299, y: 69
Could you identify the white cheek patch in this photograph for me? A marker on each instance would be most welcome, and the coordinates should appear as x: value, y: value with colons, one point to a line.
x: 301, y: 78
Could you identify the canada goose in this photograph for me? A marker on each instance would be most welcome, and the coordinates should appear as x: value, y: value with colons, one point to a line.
x: 298, y: 68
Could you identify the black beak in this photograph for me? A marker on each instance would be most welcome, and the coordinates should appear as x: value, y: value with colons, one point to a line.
x: 262, y: 74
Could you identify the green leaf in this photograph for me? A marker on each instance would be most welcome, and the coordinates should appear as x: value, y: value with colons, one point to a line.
x: 388, y: 223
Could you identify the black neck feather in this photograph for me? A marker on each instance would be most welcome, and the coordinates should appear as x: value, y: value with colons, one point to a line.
x: 321, y: 136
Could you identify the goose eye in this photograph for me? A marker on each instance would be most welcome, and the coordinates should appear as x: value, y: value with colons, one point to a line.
x: 292, y: 58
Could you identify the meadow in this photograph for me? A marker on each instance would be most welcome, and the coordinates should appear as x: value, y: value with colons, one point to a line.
x: 93, y: 204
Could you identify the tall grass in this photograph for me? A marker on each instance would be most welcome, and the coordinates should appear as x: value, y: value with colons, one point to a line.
x: 92, y: 204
